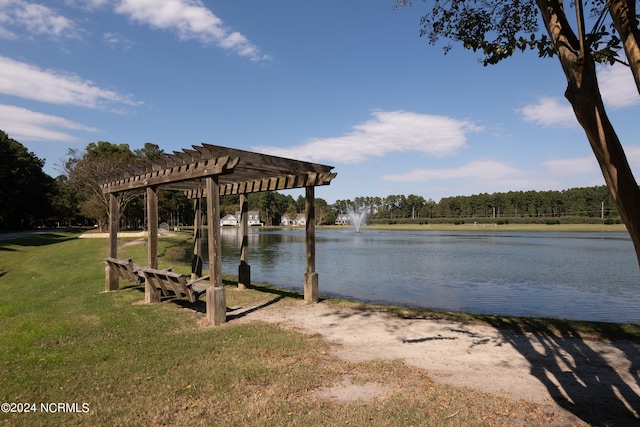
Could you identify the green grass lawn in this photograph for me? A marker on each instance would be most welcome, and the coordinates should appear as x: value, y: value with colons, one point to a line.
x: 63, y: 340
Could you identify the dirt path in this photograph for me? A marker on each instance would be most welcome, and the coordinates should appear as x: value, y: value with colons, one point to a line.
x: 582, y: 381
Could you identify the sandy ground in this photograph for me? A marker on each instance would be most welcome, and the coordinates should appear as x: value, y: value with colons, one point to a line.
x: 582, y: 382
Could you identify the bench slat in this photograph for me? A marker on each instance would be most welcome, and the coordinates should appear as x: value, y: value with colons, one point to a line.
x: 175, y: 282
x: 125, y: 268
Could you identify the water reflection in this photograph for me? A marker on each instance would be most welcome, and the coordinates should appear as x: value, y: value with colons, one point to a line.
x: 587, y: 276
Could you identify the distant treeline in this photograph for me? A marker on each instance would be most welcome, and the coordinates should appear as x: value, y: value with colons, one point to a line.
x: 591, y: 204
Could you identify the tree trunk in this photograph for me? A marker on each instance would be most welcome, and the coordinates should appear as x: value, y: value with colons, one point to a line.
x: 584, y: 95
x: 623, y: 14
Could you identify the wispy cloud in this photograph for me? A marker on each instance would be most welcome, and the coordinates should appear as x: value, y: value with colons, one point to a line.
x: 387, y: 132
x: 114, y: 40
x: 587, y: 165
x: 485, y: 170
x: 572, y: 166
x: 36, y: 19
x: 190, y: 20
x: 495, y: 175
x: 23, y: 124
x: 616, y: 86
x: 633, y: 157
x: 550, y: 112
x: 30, y: 82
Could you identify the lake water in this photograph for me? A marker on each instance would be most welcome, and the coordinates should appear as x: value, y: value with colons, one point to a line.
x: 582, y: 276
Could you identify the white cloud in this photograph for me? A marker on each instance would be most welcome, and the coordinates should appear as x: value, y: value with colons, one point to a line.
x: 30, y: 82
x: 587, y: 165
x: 388, y: 132
x: 117, y: 40
x: 550, y: 112
x: 89, y: 4
x: 574, y: 166
x: 23, y: 124
x: 35, y: 18
x: 617, y: 86
x: 485, y: 170
x: 190, y: 19
x: 6, y: 34
x: 633, y: 157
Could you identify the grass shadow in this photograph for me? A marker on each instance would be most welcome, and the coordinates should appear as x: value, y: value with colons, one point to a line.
x: 282, y: 293
x: 200, y: 306
x: 36, y: 238
x: 248, y: 311
x: 562, y: 354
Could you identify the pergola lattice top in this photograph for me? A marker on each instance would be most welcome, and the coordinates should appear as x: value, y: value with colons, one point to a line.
x: 238, y: 172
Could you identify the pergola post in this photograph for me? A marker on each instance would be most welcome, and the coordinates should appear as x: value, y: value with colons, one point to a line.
x: 311, y: 276
x: 151, y: 294
x: 244, y: 270
x: 215, y: 298
x: 196, y: 264
x: 111, y: 279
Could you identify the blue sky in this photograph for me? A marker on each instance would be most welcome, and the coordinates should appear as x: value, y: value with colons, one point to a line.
x: 334, y: 82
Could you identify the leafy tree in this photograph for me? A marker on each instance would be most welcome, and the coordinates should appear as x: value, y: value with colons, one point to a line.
x: 25, y: 189
x: 324, y: 213
x: 229, y: 204
x: 393, y: 205
x: 150, y: 151
x: 82, y: 168
x: 66, y: 203
x: 496, y: 29
x: 342, y: 206
x: 301, y: 203
x: 414, y: 204
x: 265, y: 203
x: 292, y: 210
x: 175, y: 208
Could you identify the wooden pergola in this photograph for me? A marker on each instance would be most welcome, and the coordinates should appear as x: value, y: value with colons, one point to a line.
x: 210, y: 171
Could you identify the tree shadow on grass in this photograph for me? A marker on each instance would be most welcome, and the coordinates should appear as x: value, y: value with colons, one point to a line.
x: 577, y: 377
x: 35, y: 238
x: 598, y: 383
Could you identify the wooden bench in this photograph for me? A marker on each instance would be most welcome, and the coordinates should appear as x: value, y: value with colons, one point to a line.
x: 168, y: 281
x: 126, y: 269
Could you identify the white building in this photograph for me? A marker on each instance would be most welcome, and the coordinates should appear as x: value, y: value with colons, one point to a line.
x: 299, y: 220
x: 229, y: 221
x: 253, y: 219
x: 343, y: 219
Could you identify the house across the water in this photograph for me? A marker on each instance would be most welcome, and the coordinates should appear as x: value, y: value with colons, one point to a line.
x: 253, y: 219
x: 298, y: 220
x: 343, y: 219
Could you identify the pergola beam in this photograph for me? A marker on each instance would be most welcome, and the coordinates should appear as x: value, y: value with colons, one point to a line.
x: 184, y: 172
x: 285, y: 182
